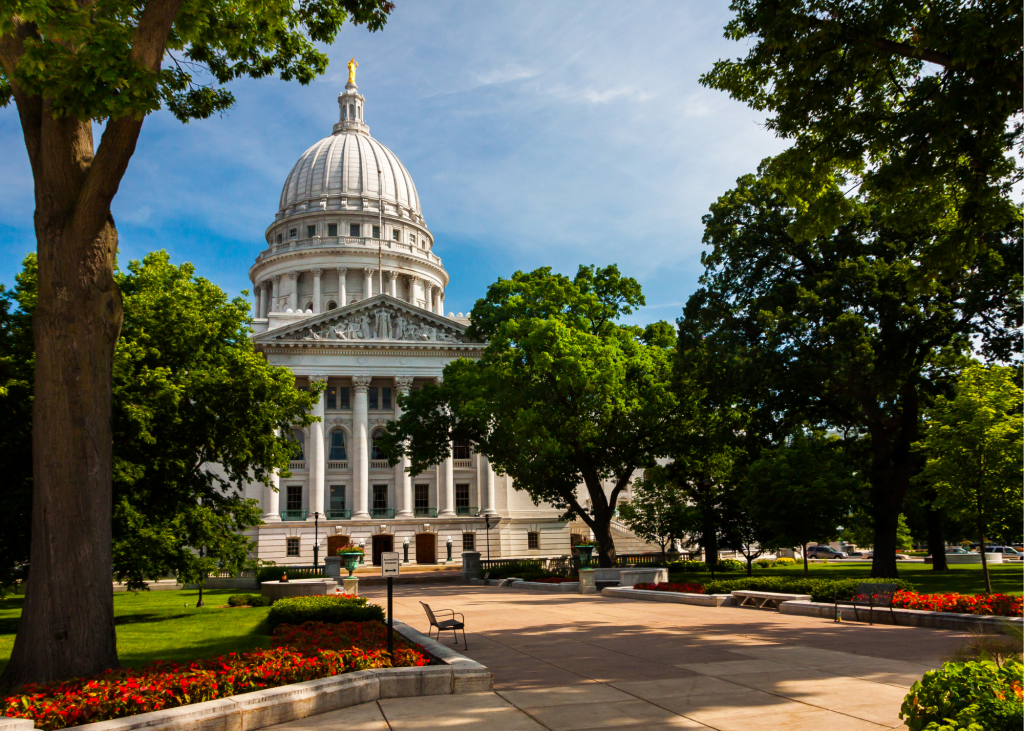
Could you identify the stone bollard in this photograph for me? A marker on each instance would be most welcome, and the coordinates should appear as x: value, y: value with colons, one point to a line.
x: 332, y: 567
x: 351, y: 585
x: 587, y: 583
x: 471, y: 567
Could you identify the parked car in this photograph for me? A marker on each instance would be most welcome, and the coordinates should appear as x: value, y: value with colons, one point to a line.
x: 902, y: 557
x: 862, y: 554
x: 956, y: 551
x: 1005, y: 550
x: 825, y: 552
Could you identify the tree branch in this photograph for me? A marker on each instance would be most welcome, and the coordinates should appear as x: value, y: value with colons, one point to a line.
x: 30, y: 108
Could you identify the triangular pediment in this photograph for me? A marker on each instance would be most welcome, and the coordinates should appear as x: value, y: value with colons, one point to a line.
x: 379, y: 318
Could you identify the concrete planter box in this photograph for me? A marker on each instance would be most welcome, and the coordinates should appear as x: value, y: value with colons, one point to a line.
x: 904, y: 617
x: 566, y: 587
x: 629, y: 577
x: 457, y: 674
x: 672, y: 597
x: 297, y: 587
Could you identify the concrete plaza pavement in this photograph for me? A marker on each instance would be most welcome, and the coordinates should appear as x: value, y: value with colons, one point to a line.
x: 567, y: 662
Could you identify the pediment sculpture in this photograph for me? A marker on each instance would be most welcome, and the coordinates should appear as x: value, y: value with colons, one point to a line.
x: 380, y: 323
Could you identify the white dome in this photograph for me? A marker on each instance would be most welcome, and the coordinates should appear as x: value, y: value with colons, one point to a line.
x: 346, y: 164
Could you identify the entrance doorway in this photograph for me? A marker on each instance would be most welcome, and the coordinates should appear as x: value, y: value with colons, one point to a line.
x: 382, y: 544
x: 426, y: 548
x: 336, y: 542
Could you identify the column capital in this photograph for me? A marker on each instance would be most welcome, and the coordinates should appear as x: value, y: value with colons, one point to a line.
x: 317, y: 271
x: 392, y: 275
x: 318, y: 378
x: 360, y: 383
x: 343, y: 271
x: 403, y: 383
x: 276, y: 278
x: 293, y: 275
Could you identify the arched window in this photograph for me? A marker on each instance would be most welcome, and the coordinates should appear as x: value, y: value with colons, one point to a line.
x: 332, y: 305
x: 309, y: 306
x: 377, y: 452
x: 299, y: 438
x: 338, y: 453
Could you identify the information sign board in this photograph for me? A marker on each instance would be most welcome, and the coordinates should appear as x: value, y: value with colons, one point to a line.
x: 389, y: 563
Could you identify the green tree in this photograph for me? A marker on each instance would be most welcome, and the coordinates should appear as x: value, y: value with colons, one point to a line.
x: 562, y: 395
x: 655, y: 511
x: 196, y: 414
x: 974, y: 442
x: 741, y: 526
x: 800, y: 492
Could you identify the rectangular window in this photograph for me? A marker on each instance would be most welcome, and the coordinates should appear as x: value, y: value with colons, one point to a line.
x: 332, y: 397
x: 533, y: 540
x: 332, y: 229
x: 344, y: 398
x: 353, y: 229
x: 372, y: 393
x: 412, y: 238
x: 469, y: 541
x: 422, y: 496
x: 293, y: 233
x: 294, y: 501
x: 396, y: 234
x: 460, y: 449
x: 385, y: 397
x: 462, y: 496
x: 376, y: 232
x: 292, y: 547
x: 380, y: 497
x: 280, y: 238
x: 337, y: 497
x: 310, y: 232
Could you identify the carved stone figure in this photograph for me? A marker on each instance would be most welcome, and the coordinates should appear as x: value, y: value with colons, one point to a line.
x: 382, y: 323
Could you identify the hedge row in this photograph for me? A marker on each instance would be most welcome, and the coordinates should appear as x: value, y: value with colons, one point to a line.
x: 331, y: 609
x: 273, y: 573
x: 724, y: 566
x: 516, y: 569
x: 821, y: 590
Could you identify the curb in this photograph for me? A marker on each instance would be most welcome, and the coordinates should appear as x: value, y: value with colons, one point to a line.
x: 904, y: 617
x: 269, y: 707
x: 647, y: 595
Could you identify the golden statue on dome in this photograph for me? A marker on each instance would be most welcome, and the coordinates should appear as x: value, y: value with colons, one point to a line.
x: 352, y: 71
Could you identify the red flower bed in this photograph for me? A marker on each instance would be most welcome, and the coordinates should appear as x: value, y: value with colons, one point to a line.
x: 669, y: 586
x: 321, y: 651
x: 554, y: 580
x: 1002, y: 605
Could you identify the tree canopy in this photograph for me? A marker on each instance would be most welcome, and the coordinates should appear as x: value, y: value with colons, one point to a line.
x: 562, y: 395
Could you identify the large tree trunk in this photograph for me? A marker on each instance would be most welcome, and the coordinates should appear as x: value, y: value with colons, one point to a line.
x: 936, y: 542
x: 892, y: 466
x: 984, y: 562
x: 67, y: 624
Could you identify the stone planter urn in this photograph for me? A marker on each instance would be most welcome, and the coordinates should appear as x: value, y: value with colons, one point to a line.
x: 351, y: 559
x: 586, y: 553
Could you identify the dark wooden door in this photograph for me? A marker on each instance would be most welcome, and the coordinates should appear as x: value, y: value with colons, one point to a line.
x: 382, y: 544
x: 426, y: 548
x: 334, y: 543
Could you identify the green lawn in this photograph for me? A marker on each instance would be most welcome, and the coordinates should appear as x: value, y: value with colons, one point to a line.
x: 165, y: 625
x: 1006, y: 578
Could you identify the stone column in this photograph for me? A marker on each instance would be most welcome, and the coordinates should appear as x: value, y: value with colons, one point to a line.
x: 446, y: 484
x: 275, y: 293
x: 393, y: 277
x: 413, y: 281
x: 316, y: 290
x: 342, y: 286
x: 265, y: 307
x: 428, y: 295
x: 360, y: 451
x: 257, y: 297
x: 367, y: 283
x: 272, y: 499
x: 293, y: 296
x: 439, y: 302
x: 487, y: 493
x: 316, y: 454
x: 403, y: 480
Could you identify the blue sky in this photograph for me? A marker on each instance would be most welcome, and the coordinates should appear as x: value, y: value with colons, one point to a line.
x: 537, y: 133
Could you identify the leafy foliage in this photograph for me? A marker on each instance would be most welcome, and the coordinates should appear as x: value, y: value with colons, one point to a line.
x: 967, y: 696
x: 655, y: 511
x: 821, y: 590
x: 331, y: 608
x: 562, y: 395
x: 249, y: 600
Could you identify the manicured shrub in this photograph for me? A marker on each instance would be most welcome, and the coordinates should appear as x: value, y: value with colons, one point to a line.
x: 248, y: 600
x: 1002, y: 605
x: 273, y: 573
x: 687, y: 566
x: 972, y: 696
x: 764, y: 563
x: 333, y: 608
x: 727, y: 565
x: 372, y: 637
x: 669, y: 586
x: 821, y: 590
x: 517, y: 569
x: 784, y: 561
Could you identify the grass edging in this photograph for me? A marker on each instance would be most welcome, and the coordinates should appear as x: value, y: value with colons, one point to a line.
x: 456, y: 674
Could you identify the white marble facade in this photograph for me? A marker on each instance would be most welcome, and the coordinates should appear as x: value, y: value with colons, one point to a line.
x: 350, y: 293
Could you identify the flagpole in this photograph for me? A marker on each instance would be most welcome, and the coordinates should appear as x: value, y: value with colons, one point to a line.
x: 380, y: 228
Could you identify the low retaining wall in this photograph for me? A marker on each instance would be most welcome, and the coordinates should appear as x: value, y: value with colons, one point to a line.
x: 457, y: 674
x: 566, y: 587
x: 673, y: 597
x: 904, y: 617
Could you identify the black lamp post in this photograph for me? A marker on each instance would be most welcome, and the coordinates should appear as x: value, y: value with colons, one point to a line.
x: 316, y: 540
x: 487, y: 522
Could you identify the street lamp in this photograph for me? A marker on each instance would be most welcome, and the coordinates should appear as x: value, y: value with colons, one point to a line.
x: 316, y: 540
x: 405, y: 547
x: 487, y: 522
x: 448, y: 543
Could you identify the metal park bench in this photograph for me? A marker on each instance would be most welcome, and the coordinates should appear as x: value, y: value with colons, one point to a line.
x: 446, y: 624
x: 870, y: 596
